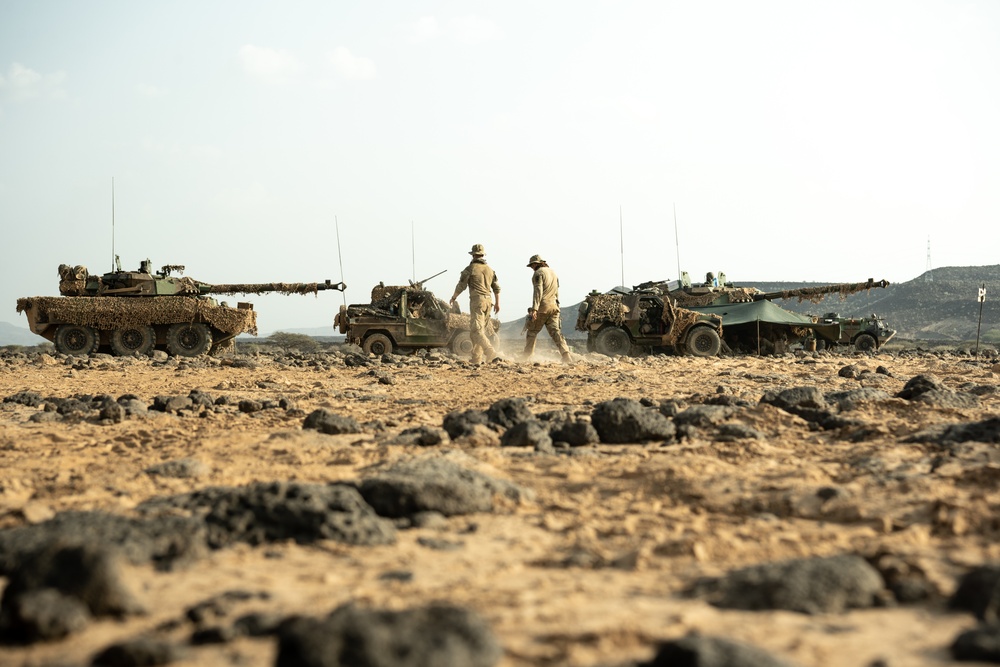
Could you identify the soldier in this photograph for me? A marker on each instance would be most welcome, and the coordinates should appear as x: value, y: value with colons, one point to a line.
x: 481, y: 280
x: 544, y: 309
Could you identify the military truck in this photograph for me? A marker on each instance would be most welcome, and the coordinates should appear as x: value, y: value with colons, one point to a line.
x: 135, y: 312
x: 407, y: 318
x: 623, y: 323
x: 866, y: 334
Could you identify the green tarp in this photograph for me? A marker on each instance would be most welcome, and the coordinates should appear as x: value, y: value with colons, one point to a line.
x: 736, y: 314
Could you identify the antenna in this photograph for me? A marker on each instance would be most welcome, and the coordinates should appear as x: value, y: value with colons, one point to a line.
x: 112, y: 223
x: 340, y: 259
x: 677, y: 243
x: 621, y: 242
x: 928, y: 277
x: 413, y: 251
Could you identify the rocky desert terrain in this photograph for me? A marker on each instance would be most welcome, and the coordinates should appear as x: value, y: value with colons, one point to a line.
x: 811, y: 509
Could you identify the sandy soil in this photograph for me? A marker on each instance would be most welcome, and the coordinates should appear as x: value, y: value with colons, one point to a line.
x: 590, y: 572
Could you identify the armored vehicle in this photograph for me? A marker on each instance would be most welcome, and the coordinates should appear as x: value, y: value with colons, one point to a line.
x: 133, y: 312
x: 866, y: 334
x: 622, y: 323
x: 407, y: 317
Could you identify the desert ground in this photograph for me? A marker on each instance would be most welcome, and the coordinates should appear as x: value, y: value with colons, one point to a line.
x: 597, y: 545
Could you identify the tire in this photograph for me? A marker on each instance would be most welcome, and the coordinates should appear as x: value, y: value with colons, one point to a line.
x: 76, y: 340
x: 703, y: 342
x: 865, y: 343
x: 461, y: 344
x: 134, y: 340
x: 189, y: 340
x: 613, y: 341
x: 377, y: 344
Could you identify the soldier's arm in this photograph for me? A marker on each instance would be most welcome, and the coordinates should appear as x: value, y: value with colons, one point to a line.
x: 463, y: 282
x: 495, y: 286
x: 536, y: 290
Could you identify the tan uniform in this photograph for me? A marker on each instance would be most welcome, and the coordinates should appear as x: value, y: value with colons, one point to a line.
x: 545, y: 303
x: 482, y: 283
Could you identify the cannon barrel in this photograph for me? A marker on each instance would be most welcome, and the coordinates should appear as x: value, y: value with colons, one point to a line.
x: 260, y: 288
x: 817, y: 293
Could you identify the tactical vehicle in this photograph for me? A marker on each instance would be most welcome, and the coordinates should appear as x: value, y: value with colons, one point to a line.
x: 866, y: 334
x: 134, y: 312
x: 622, y: 323
x: 407, y: 317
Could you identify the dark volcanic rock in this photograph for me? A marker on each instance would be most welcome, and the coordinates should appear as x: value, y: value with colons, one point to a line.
x: 918, y: 385
x: 979, y: 592
x: 330, y: 423
x: 508, y: 412
x: 625, y: 420
x: 138, y: 652
x: 432, y: 636
x: 171, y: 403
x: 57, y: 589
x: 704, y: 415
x: 576, y: 433
x: 462, y: 423
x: 946, y: 398
x: 163, y: 541
x: 701, y: 651
x: 180, y: 469
x: 850, y: 399
x: 980, y: 644
x: 424, y: 436
x: 987, y: 431
x: 526, y: 434
x: 31, y: 399
x: 814, y: 585
x: 796, y: 399
x: 41, y: 615
x: 434, y: 484
x: 276, y: 511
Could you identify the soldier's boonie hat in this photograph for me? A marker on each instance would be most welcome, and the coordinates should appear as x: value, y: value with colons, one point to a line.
x: 477, y: 249
x: 536, y: 259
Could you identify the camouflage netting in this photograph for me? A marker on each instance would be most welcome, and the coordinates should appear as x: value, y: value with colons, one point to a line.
x: 678, y: 320
x: 464, y: 321
x: 109, y: 312
x: 260, y: 288
x: 603, y: 308
x: 382, y: 294
x: 735, y: 294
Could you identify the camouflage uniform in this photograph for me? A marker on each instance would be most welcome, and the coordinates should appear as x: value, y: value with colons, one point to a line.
x: 481, y: 281
x: 545, y: 307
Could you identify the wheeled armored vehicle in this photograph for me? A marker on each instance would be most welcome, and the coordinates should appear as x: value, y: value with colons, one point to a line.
x: 406, y: 318
x: 619, y: 324
x: 135, y: 312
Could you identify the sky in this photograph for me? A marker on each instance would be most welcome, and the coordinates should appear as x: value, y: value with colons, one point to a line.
x: 251, y: 141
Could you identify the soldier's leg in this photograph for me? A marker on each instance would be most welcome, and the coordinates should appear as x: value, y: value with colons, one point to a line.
x: 478, y: 323
x: 553, y: 324
x: 531, y: 335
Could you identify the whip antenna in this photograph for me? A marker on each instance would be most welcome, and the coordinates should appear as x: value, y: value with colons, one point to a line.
x: 340, y: 259
x: 621, y: 242
x: 677, y: 244
x: 112, y: 223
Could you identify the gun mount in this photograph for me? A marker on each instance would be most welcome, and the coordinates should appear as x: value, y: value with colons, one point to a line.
x: 134, y: 312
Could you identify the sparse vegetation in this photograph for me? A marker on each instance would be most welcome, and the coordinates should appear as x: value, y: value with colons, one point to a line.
x: 294, y: 341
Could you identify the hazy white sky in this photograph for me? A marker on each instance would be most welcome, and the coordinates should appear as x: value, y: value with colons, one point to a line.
x: 798, y: 140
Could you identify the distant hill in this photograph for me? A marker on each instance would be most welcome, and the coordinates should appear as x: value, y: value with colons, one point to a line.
x: 11, y: 334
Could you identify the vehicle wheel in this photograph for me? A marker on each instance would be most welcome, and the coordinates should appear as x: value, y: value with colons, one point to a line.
x: 703, y: 342
x: 189, y: 340
x: 76, y: 339
x: 341, y: 320
x: 865, y: 343
x: 462, y: 343
x: 377, y: 344
x: 612, y: 341
x: 139, y: 339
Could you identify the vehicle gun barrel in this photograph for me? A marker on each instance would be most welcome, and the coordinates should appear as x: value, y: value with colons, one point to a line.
x: 260, y: 288
x: 817, y: 293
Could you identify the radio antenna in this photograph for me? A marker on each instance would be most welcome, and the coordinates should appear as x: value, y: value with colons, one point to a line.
x: 621, y: 242
x: 340, y: 259
x: 677, y: 243
x: 112, y: 223
x: 413, y: 251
